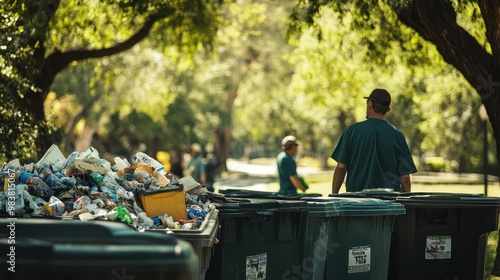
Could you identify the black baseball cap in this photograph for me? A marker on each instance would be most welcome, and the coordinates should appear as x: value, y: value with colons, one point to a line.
x: 380, y: 96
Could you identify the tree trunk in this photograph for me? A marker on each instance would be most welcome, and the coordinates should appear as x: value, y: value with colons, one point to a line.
x: 34, y: 102
x: 222, y: 137
x: 84, y: 139
x: 436, y: 22
x: 154, y: 146
x: 46, y: 69
x: 69, y: 131
x: 462, y: 164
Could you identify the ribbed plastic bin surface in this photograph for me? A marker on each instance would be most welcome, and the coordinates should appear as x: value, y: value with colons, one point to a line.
x: 203, y: 240
x: 359, y: 237
x: 60, y: 249
x: 258, y: 240
x: 442, y: 236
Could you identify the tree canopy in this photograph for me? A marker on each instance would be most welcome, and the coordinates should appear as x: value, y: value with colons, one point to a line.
x: 43, y: 38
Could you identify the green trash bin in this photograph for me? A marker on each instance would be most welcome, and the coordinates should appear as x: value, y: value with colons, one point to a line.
x: 442, y: 236
x: 58, y: 249
x: 314, y: 244
x: 258, y: 239
x: 360, y: 237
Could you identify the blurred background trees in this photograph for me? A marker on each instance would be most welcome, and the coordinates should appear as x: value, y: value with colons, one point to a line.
x: 235, y: 76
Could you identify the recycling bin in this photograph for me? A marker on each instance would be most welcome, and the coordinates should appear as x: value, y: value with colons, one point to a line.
x: 359, y: 242
x: 202, y: 240
x: 67, y: 249
x: 258, y: 239
x: 314, y: 241
x: 442, y: 236
x: 310, y: 248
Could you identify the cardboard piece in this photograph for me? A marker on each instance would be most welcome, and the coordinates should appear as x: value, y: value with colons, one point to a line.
x: 80, y: 166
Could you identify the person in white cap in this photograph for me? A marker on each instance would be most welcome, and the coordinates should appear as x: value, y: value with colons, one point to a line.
x: 195, y: 167
x: 287, y: 167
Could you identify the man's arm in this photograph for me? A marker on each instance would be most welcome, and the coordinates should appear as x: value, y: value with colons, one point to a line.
x: 338, y: 177
x: 296, y: 182
x: 203, y: 174
x: 405, y: 183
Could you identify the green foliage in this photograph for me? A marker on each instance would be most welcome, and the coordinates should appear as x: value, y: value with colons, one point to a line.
x: 136, y: 90
x: 378, y: 28
x: 434, y: 164
x: 181, y: 85
x: 184, y: 24
x: 432, y: 103
x: 31, y: 32
x: 17, y: 129
x: 18, y: 135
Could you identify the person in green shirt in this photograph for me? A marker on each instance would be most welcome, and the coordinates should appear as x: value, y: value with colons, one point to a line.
x: 373, y: 153
x: 195, y: 167
x: 287, y: 167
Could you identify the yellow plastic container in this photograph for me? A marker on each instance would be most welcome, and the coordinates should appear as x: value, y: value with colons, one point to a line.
x: 164, y: 201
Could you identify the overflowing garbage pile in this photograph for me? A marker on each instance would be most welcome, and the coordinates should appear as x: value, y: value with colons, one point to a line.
x: 84, y: 186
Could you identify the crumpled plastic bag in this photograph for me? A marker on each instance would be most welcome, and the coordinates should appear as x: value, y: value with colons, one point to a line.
x: 55, y: 207
x: 108, y: 202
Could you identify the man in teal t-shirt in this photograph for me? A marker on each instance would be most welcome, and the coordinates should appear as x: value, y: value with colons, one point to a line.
x: 373, y: 153
x: 287, y: 167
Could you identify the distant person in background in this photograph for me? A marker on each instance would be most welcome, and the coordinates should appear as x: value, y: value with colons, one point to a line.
x: 373, y: 153
x: 176, y: 162
x: 195, y: 167
x: 211, y: 171
x: 287, y: 167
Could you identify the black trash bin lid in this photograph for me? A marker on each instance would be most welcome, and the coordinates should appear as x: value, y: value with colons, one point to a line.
x: 260, y: 205
x: 386, y: 194
x: 448, y: 200
x: 355, y: 206
x: 239, y: 193
x: 276, y: 204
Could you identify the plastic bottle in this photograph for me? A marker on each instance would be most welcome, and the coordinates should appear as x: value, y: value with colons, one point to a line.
x: 158, y: 222
x: 106, y: 164
x: 91, y: 152
x: 39, y: 186
x: 121, y: 163
x: 142, y: 157
x: 53, y: 181
x: 45, y: 172
x: 97, y: 177
x: 195, y: 212
x: 81, y: 202
x: 144, y: 220
x: 23, y: 176
x: 109, y: 192
x: 56, y: 205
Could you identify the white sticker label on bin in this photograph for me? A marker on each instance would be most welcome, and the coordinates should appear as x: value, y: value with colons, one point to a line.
x: 359, y: 259
x: 438, y: 248
x: 256, y: 267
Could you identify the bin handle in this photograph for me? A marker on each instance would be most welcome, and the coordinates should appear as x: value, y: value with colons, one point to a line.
x: 265, y: 213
